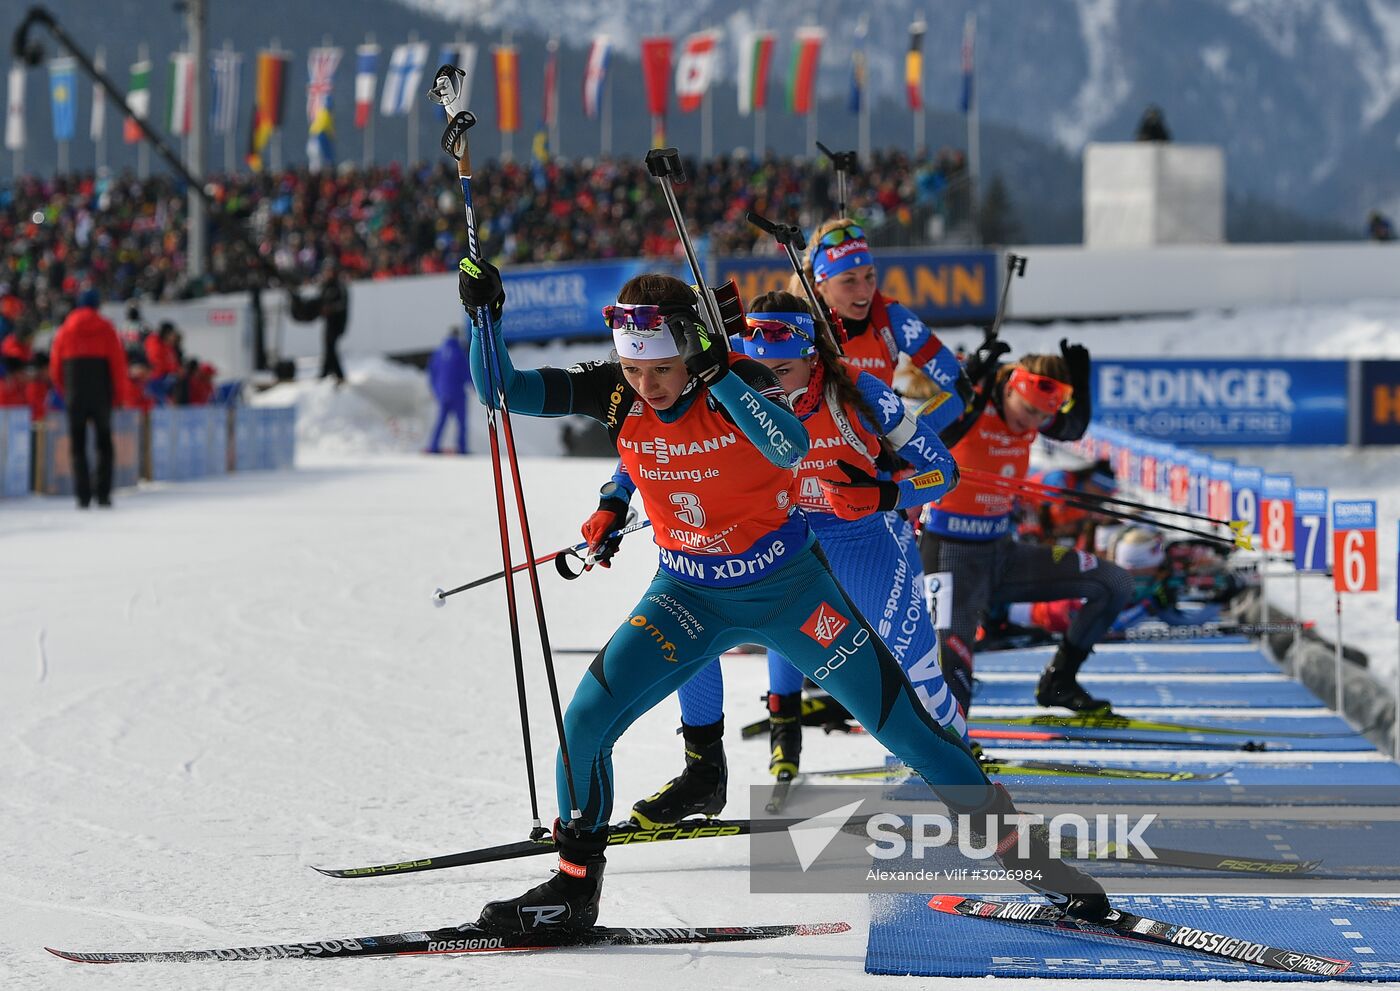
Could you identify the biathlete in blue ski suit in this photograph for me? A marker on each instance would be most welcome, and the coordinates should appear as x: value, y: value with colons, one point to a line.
x: 711, y: 443
x: 853, y: 421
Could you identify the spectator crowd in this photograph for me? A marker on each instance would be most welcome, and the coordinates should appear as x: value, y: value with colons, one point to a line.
x: 125, y: 237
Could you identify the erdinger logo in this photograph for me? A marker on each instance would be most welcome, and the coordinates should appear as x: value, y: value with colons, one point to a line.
x: 825, y: 624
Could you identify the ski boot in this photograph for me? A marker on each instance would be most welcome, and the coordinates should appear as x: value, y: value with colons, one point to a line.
x: 568, y: 901
x: 1058, y: 685
x: 698, y: 790
x: 785, y: 734
x: 1027, y: 849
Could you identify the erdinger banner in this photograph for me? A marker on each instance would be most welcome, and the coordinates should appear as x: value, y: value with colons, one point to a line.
x: 1224, y: 401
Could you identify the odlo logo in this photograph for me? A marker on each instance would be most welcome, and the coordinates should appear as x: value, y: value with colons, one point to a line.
x: 825, y: 625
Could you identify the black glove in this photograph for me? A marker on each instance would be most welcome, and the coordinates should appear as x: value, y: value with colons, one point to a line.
x: 985, y: 360
x: 706, y: 355
x: 1077, y: 358
x: 479, y: 285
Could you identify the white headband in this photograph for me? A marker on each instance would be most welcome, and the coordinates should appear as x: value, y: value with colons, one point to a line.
x: 658, y: 343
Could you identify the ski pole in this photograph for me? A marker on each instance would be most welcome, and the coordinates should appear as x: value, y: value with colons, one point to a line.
x: 440, y: 596
x: 445, y: 91
x: 1096, y: 503
x: 792, y: 239
x: 957, y: 430
x: 985, y: 479
x: 1043, y: 488
x: 842, y: 162
x: 665, y: 166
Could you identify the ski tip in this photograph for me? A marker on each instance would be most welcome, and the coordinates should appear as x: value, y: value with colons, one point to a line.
x: 945, y: 903
x: 71, y: 956
x: 821, y: 928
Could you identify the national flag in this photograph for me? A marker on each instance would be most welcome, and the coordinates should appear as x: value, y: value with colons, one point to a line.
x: 366, y: 76
x: 320, y: 138
x: 463, y: 56
x: 695, y: 69
x: 914, y: 66
x: 179, y: 95
x: 321, y: 64
x: 401, y: 82
x: 63, y: 84
x: 969, y: 43
x: 550, y: 113
x: 269, y: 91
x: 802, y: 74
x: 656, y: 73
x: 225, y: 70
x: 507, y: 88
x: 97, y: 122
x: 596, y: 74
x: 857, y: 94
x: 138, y: 101
x: 755, y: 58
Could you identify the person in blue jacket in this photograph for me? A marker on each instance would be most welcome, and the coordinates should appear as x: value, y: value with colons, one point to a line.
x: 449, y: 374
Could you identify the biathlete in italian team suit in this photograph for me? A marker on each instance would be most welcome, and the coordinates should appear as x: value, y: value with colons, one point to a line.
x: 711, y: 442
x: 968, y: 534
x: 854, y: 423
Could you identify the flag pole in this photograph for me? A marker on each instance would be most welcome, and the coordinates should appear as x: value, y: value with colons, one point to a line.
x: 99, y: 153
x: 412, y: 151
x: 554, y: 149
x: 605, y: 124
x: 195, y: 227
x: 367, y: 154
x: 707, y: 127
x: 143, y: 152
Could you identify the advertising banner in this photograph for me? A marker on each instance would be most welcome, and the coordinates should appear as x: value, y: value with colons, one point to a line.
x: 1224, y: 401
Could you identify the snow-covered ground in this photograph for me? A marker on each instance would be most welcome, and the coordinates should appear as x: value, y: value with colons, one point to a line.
x: 219, y: 683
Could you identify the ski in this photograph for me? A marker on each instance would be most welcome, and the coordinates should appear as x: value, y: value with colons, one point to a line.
x: 1051, y: 768
x: 1140, y: 929
x: 463, y: 939
x: 619, y: 834
x: 1041, y: 736
x: 1113, y: 721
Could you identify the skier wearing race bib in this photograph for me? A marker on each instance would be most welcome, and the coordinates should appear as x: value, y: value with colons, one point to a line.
x: 854, y: 422
x: 711, y: 443
x: 967, y: 535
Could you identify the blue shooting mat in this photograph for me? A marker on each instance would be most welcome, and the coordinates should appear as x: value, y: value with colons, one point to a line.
x: 1149, y: 692
x: 909, y: 938
x: 1265, y: 783
x: 1134, y: 659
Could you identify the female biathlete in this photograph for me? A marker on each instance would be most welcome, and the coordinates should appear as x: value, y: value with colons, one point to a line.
x: 968, y: 534
x: 852, y: 420
x: 711, y: 443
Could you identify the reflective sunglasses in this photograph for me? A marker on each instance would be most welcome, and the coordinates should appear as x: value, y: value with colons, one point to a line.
x: 642, y: 319
x: 1048, y: 395
x: 840, y: 235
x: 771, y: 330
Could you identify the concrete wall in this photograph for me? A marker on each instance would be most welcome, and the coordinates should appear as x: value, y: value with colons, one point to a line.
x: 1141, y: 194
x: 411, y: 314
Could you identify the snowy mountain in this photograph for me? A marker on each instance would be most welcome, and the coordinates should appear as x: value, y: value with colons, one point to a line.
x: 1304, y: 94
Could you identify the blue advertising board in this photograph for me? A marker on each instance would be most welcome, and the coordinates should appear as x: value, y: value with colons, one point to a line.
x: 547, y: 301
x: 1380, y: 402
x: 1224, y: 401
x: 942, y: 288
x: 14, y: 452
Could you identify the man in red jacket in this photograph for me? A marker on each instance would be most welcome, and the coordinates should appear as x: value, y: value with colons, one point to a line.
x: 88, y: 367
